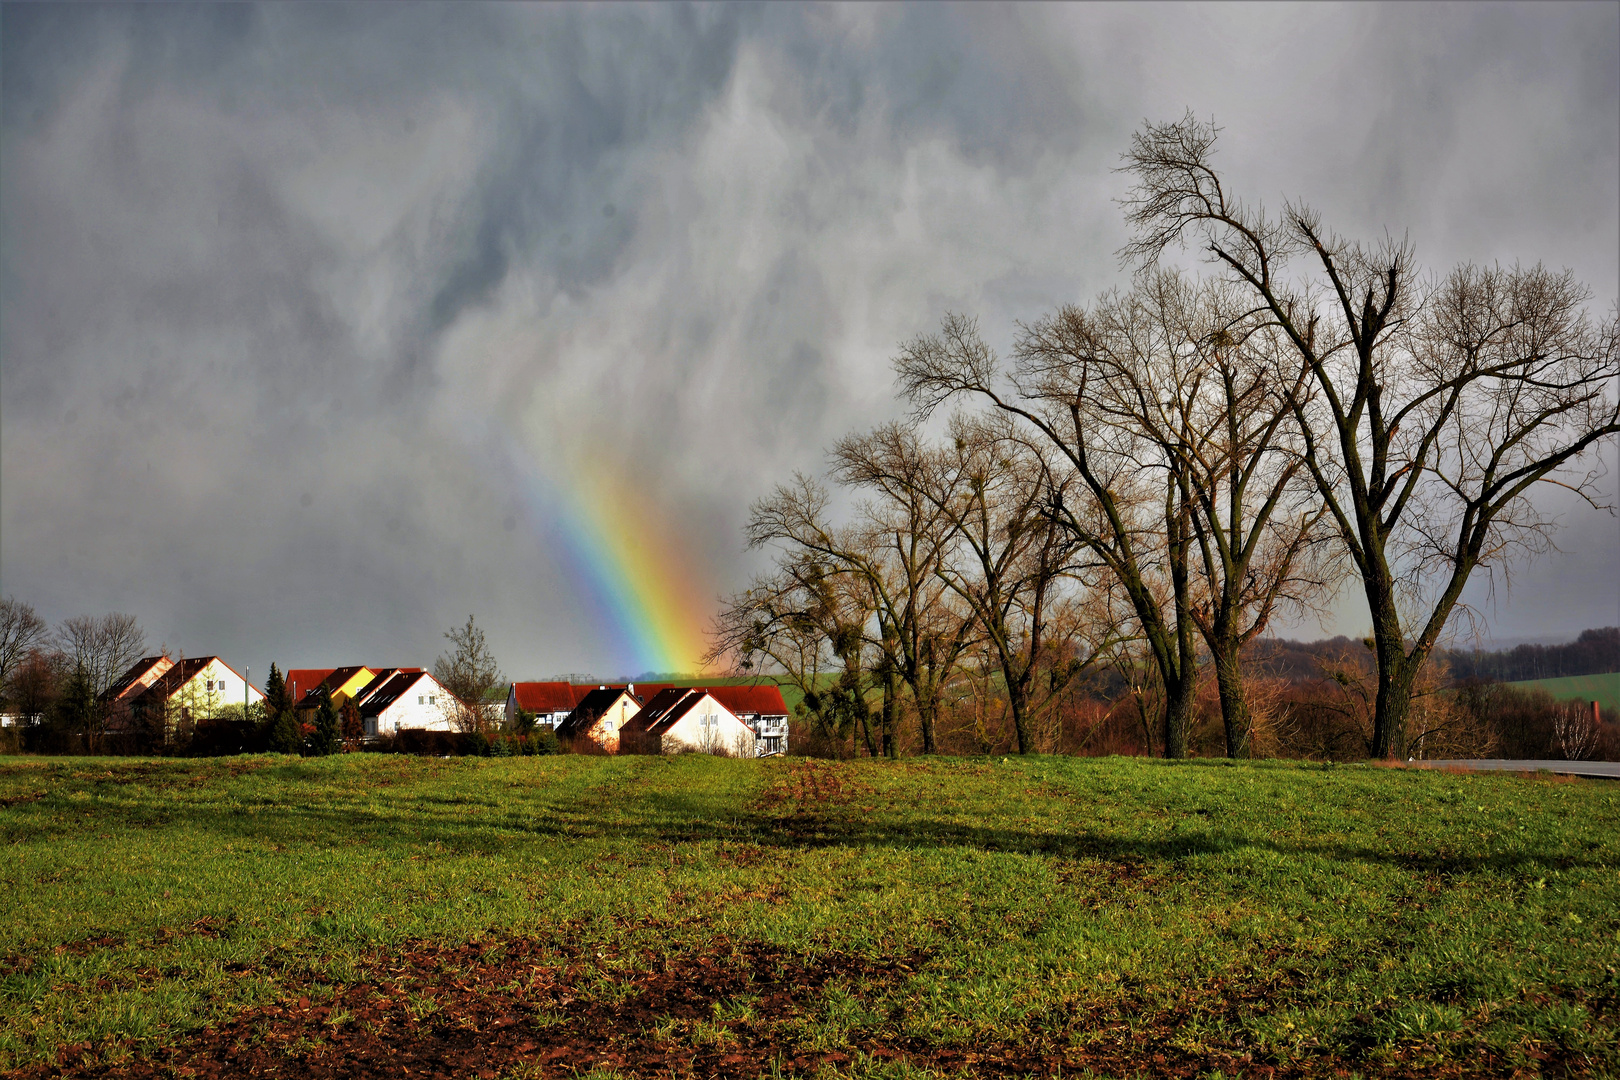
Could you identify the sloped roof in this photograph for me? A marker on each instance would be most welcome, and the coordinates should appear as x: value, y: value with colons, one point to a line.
x: 548, y: 697
x: 335, y: 678
x: 169, y: 683
x: 301, y: 681
x: 396, y: 685
x: 591, y: 708
x: 762, y: 700
x: 137, y: 678
x: 665, y: 710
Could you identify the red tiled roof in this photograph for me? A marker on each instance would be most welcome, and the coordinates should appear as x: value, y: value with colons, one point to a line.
x: 301, y: 681
x: 763, y: 700
x: 548, y: 697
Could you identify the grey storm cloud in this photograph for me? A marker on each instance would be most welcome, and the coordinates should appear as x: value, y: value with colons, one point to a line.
x: 282, y: 287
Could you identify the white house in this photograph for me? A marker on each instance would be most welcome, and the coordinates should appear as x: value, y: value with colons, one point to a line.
x: 760, y: 707
x: 178, y: 691
x: 397, y: 699
x: 690, y: 720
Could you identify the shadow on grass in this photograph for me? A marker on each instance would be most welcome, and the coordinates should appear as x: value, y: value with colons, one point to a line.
x: 610, y: 807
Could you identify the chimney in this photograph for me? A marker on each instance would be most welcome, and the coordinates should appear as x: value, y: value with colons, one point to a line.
x: 633, y: 691
x: 1597, y: 715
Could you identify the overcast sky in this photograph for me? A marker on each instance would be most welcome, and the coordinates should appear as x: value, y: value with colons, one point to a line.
x: 305, y: 308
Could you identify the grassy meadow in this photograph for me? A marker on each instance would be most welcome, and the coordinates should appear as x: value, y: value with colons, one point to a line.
x: 380, y: 915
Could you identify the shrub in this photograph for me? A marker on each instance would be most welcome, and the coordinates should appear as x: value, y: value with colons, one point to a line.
x: 427, y: 743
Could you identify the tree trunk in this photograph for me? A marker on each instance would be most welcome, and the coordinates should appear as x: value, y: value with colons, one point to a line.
x: 1178, y: 709
x: 1018, y: 701
x: 1396, y: 673
x: 891, y: 706
x: 925, y: 717
x: 1234, y: 709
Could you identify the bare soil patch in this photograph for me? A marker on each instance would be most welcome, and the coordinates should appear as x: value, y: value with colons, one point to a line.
x: 487, y: 1007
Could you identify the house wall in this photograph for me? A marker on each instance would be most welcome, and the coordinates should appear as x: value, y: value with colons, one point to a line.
x: 772, y: 732
x: 425, y: 705
x: 205, y: 700
x: 727, y: 734
x: 605, y: 732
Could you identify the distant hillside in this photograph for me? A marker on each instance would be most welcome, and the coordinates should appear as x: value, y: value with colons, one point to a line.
x: 1595, y: 652
x: 1603, y: 689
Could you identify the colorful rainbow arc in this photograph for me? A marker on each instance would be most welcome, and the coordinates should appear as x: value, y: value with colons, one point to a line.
x: 646, y: 591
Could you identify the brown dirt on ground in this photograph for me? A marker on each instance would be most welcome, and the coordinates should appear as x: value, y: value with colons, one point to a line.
x: 489, y: 1007
x: 812, y: 789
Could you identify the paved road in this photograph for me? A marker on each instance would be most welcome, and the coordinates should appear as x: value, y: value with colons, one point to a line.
x: 1607, y: 770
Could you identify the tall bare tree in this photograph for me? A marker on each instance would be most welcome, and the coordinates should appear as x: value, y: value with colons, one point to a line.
x: 469, y: 673
x: 103, y: 648
x: 1011, y: 561
x: 1440, y: 405
x: 1178, y: 365
x: 1129, y: 505
x: 21, y: 632
x: 908, y: 525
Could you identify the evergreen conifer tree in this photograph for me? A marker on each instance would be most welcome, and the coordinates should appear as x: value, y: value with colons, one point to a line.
x: 285, y: 737
x: 276, y: 698
x: 328, y: 738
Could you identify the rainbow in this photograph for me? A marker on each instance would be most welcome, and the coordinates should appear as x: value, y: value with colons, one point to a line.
x: 646, y: 593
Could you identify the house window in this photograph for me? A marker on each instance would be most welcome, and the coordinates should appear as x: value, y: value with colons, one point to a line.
x: 430, y: 700
x: 420, y: 700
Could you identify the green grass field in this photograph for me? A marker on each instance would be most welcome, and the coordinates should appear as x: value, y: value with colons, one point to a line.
x: 1604, y: 689
x: 376, y: 915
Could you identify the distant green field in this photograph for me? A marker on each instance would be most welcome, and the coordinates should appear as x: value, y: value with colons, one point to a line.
x: 944, y: 919
x: 1604, y: 689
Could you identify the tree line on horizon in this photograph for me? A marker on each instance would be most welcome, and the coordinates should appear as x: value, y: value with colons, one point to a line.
x: 1149, y: 481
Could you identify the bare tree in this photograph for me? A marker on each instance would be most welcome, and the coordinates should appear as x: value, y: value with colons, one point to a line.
x: 21, y: 632
x: 856, y: 570
x: 103, y: 648
x: 469, y: 673
x: 1011, y: 562
x: 805, y: 623
x: 907, y: 528
x: 1130, y: 504
x: 1440, y: 405
x: 1177, y: 365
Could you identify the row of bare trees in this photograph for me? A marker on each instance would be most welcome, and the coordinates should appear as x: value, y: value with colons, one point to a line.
x: 1148, y: 481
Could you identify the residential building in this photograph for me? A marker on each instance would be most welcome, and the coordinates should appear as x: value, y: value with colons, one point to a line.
x: 600, y: 715
x: 180, y: 692
x: 683, y: 720
x: 400, y: 698
x: 760, y: 707
x: 550, y: 702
